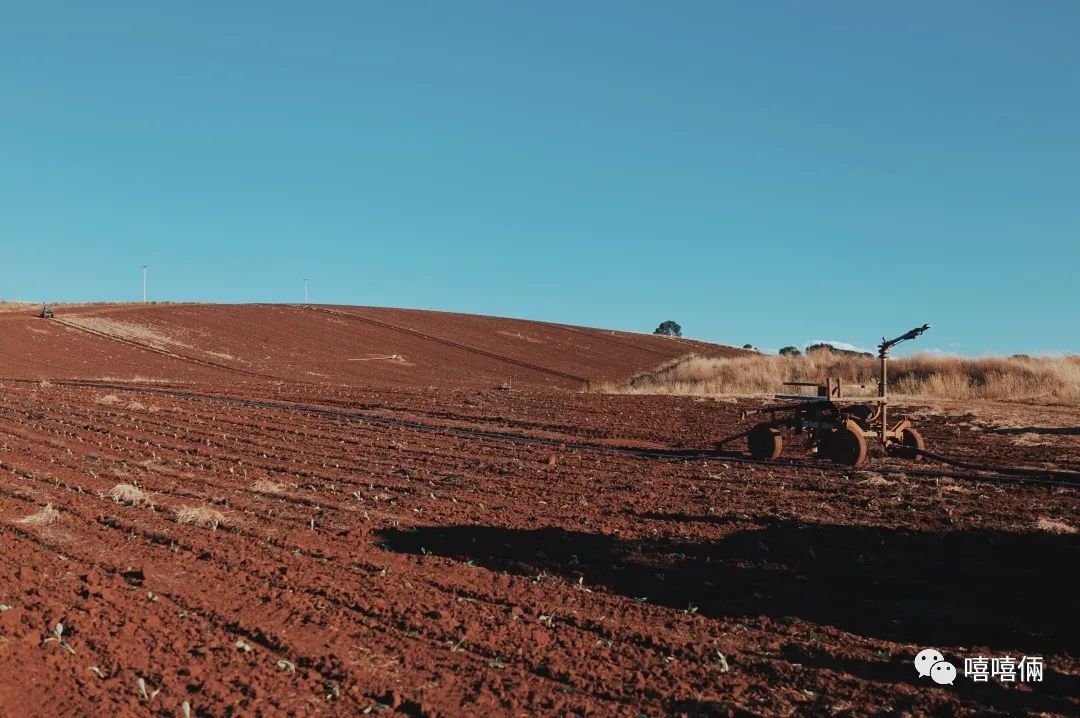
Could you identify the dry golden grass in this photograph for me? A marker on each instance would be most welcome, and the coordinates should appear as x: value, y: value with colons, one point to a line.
x: 200, y: 516
x: 265, y: 486
x: 45, y: 516
x: 1055, y: 527
x: 130, y: 494
x: 877, y: 480
x: 1052, y: 380
x: 16, y: 306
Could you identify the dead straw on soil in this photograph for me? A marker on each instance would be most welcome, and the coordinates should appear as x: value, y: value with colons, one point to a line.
x: 200, y: 516
x: 1055, y: 527
x: 43, y: 517
x: 129, y: 494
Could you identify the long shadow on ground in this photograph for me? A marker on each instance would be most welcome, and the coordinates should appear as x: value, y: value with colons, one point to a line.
x: 1009, y: 591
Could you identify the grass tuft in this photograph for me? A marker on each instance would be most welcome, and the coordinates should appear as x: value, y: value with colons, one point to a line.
x: 200, y: 516
x: 130, y: 494
x: 45, y: 516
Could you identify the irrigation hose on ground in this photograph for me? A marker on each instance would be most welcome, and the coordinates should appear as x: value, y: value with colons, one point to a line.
x: 1050, y: 474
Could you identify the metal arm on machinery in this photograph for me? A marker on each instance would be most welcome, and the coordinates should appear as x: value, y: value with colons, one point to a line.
x: 887, y: 344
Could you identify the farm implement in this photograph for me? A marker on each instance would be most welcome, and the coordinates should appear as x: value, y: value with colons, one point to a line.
x: 836, y: 426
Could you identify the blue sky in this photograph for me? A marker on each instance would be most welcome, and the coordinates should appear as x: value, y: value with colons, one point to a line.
x: 771, y: 173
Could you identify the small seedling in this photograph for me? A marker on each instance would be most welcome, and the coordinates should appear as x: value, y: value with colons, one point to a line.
x: 58, y: 636
x: 721, y: 662
x: 286, y: 666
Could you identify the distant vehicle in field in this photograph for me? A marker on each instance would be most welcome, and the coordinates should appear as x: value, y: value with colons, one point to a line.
x: 46, y: 312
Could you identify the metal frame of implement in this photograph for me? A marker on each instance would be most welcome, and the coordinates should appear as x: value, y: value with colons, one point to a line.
x: 836, y: 426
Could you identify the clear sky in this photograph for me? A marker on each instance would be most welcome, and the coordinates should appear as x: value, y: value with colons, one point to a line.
x: 772, y: 173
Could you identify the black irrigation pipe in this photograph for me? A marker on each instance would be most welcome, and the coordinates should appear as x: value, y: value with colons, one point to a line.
x: 1062, y: 475
x: 1004, y: 474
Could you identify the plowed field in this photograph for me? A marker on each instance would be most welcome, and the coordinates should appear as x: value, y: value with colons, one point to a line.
x: 324, y: 346
x: 249, y: 546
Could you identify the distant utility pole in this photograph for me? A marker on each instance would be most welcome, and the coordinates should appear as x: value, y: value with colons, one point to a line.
x: 305, y: 291
x: 144, y: 268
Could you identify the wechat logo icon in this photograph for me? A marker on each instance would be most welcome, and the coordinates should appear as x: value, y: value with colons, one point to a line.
x: 930, y: 663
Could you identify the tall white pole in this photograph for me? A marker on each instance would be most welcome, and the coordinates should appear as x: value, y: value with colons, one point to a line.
x: 144, y: 268
x: 305, y: 292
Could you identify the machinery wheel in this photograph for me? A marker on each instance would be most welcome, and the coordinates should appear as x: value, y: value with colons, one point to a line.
x: 911, y: 443
x: 764, y: 442
x: 847, y: 446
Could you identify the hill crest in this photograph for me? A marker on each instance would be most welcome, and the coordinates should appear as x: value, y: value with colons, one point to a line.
x: 323, y: 344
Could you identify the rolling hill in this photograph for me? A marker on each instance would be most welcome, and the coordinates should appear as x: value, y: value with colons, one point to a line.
x: 335, y: 345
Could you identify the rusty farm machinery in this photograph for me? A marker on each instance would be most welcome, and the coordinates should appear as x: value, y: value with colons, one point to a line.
x: 836, y: 426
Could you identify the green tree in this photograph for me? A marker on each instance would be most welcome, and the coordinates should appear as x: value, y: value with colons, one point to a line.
x: 669, y: 329
x: 790, y: 352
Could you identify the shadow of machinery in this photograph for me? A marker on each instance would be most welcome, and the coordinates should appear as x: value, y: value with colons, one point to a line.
x: 1007, y: 591
x: 975, y: 587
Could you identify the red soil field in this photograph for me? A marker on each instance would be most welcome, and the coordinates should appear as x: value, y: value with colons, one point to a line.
x: 318, y: 345
x: 444, y: 547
